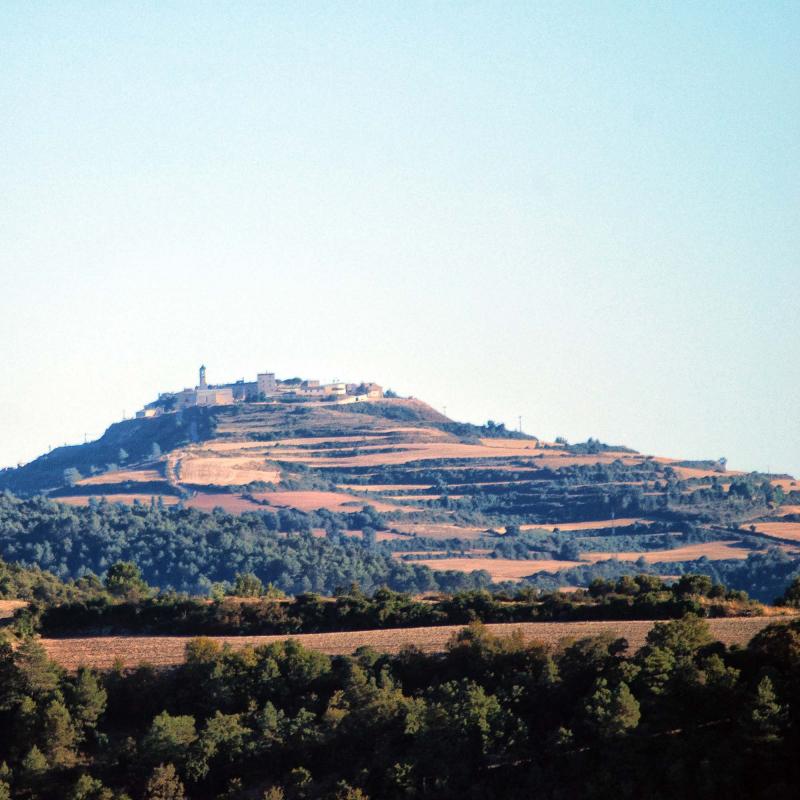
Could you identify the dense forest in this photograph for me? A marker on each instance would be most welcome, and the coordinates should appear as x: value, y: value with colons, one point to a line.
x: 125, y: 604
x: 490, y: 718
x: 191, y: 551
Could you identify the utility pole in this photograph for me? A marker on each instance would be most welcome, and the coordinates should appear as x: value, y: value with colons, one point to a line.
x: 519, y: 420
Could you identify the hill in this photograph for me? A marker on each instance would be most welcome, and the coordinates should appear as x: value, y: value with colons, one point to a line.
x: 450, y: 496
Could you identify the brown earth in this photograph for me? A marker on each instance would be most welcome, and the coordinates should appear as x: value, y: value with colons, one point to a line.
x: 501, y: 569
x: 8, y: 607
x: 435, y: 530
x: 225, y: 471
x: 780, y: 530
x: 101, y: 652
x: 592, y: 525
x: 333, y: 501
x: 122, y: 476
x: 128, y: 499
x: 232, y: 503
x: 714, y: 551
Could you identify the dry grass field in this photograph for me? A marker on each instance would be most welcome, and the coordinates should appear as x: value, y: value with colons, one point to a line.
x: 128, y: 499
x: 224, y: 471
x: 714, y: 551
x: 592, y: 525
x: 8, y: 607
x: 784, y: 511
x: 232, y: 503
x: 423, y: 451
x: 381, y: 487
x: 434, y: 530
x: 333, y: 501
x: 103, y: 651
x: 780, y: 530
x: 123, y: 476
x: 501, y: 569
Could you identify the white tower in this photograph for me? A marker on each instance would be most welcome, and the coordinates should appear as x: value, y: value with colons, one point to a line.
x: 203, y: 384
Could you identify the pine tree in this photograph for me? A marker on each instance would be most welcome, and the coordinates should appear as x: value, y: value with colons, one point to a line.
x: 37, y: 675
x: 34, y: 764
x: 164, y: 784
x: 612, y: 712
x: 88, y: 700
x: 59, y: 735
x: 764, y: 715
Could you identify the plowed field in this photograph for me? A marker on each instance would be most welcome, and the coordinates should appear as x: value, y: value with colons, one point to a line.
x: 101, y: 652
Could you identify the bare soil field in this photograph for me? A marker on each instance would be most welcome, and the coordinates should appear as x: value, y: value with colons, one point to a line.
x: 380, y: 487
x: 591, y: 525
x: 435, y: 530
x: 8, y: 607
x: 714, y: 551
x: 232, y: 503
x: 421, y: 497
x: 402, y: 454
x: 784, y: 511
x: 128, y: 499
x: 501, y: 569
x: 333, y: 501
x: 225, y: 471
x: 122, y: 476
x: 162, y: 651
x: 780, y: 530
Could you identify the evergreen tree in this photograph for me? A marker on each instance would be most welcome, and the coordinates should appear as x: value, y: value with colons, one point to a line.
x: 611, y: 712
x: 764, y: 715
x: 60, y: 737
x: 88, y: 700
x: 124, y: 579
x: 164, y: 784
x: 34, y: 765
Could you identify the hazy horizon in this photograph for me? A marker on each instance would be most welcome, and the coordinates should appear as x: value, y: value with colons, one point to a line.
x: 584, y: 216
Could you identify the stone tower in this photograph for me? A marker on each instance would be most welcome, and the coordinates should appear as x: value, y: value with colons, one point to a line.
x: 203, y: 384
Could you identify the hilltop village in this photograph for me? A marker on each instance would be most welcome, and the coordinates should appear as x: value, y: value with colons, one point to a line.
x: 265, y: 388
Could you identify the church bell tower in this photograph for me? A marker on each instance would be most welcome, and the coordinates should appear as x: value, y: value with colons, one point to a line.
x: 203, y: 384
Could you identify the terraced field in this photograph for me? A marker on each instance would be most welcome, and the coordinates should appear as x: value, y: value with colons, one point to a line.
x: 431, y: 475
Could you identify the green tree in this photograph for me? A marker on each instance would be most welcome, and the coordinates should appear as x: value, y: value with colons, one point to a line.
x: 683, y: 637
x: 37, y: 676
x: 764, y: 715
x: 71, y: 476
x: 60, y: 737
x: 88, y: 700
x: 89, y: 788
x: 247, y: 585
x: 169, y: 738
x: 791, y: 597
x: 34, y: 765
x: 5, y: 791
x: 611, y: 712
x: 344, y: 791
x: 124, y: 579
x: 164, y: 784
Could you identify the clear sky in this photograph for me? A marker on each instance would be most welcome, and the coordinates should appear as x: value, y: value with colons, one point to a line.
x: 582, y: 213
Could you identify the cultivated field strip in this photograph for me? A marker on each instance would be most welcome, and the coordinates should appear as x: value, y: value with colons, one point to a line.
x: 101, y: 652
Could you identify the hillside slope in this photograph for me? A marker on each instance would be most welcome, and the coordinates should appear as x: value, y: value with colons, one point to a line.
x: 452, y: 496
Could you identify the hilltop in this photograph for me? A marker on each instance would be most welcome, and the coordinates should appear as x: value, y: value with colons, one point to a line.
x: 447, y: 495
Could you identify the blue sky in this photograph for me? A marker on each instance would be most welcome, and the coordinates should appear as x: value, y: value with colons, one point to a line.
x: 584, y: 214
